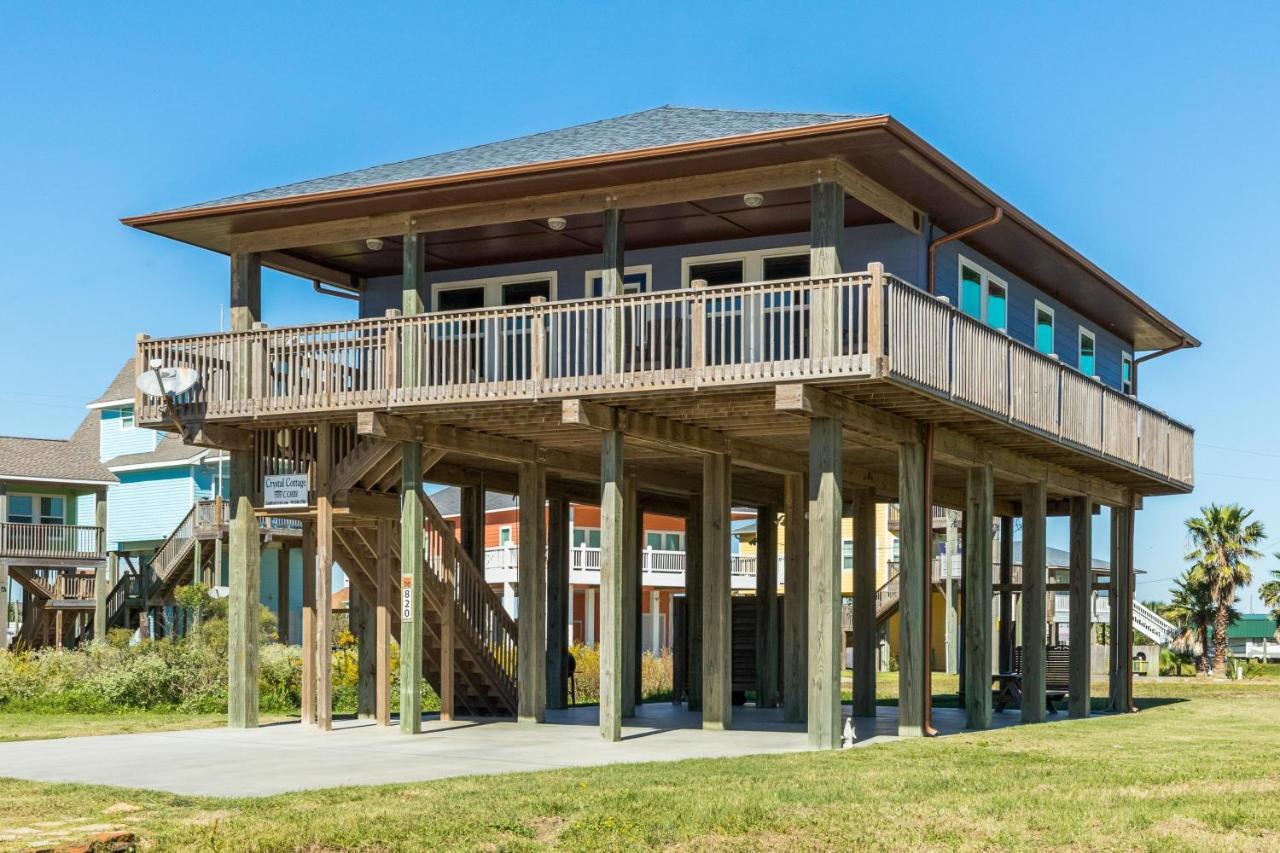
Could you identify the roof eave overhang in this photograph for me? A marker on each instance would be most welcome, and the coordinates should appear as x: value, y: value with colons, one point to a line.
x: 1178, y: 338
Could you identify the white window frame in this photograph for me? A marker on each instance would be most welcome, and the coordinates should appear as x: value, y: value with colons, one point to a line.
x: 509, y: 529
x: 1126, y: 357
x: 664, y: 534
x: 645, y: 269
x: 752, y: 261
x: 36, y: 515
x: 1053, y: 327
x: 1083, y: 333
x: 124, y: 413
x: 492, y: 286
x: 986, y: 278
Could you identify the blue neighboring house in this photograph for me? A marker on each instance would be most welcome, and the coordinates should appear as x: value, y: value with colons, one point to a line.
x: 158, y: 480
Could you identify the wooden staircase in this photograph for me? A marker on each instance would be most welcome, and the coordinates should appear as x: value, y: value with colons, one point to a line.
x: 50, y: 592
x: 484, y: 633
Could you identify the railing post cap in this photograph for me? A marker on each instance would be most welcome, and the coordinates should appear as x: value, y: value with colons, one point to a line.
x: 258, y: 325
x: 143, y: 336
x: 538, y: 300
x: 393, y: 312
x: 945, y: 300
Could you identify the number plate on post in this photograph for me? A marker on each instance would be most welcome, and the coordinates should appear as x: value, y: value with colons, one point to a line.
x: 406, y: 598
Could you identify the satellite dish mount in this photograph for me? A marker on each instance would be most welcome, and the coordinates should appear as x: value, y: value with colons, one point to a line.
x: 167, y: 383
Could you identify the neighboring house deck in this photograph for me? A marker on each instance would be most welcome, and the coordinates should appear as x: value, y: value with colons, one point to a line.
x: 676, y: 311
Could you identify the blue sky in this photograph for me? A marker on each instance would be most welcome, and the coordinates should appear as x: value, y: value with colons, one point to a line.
x: 1145, y: 139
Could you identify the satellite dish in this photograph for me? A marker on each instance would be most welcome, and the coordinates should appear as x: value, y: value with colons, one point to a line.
x: 166, y: 381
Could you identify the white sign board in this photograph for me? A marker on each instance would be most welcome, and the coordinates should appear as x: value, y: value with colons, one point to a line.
x: 285, y: 490
x: 406, y: 598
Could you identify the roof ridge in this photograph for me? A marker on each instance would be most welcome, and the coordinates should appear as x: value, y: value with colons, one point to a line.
x: 35, y: 438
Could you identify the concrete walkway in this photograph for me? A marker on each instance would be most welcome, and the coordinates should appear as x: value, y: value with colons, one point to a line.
x: 288, y: 757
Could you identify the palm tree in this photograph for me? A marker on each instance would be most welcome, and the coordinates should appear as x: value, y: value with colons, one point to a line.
x: 1270, y: 592
x: 1223, y: 538
x: 1192, y: 609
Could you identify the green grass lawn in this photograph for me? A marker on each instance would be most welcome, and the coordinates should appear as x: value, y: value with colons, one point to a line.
x: 41, y: 726
x: 1198, y: 769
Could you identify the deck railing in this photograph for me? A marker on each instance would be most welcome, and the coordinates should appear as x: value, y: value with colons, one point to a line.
x: 51, y: 541
x: 778, y: 331
x: 941, y: 350
x: 665, y: 339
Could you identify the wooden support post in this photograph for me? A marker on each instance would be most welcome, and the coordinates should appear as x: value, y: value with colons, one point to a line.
x: 472, y: 521
x: 864, y: 603
x: 976, y: 580
x: 717, y: 590
x: 323, y: 569
x: 1007, y: 639
x: 308, y: 623
x: 411, y: 586
x: 100, y: 589
x: 361, y: 621
x: 244, y: 570
x: 912, y: 564
x: 631, y: 539
x: 1081, y: 604
x: 283, y: 559
x: 382, y: 641
x: 57, y: 629
x: 826, y: 232
x: 244, y: 558
x: 611, y: 284
x: 613, y: 513
x: 1033, y: 602
x: 826, y: 638
x: 795, y: 624
x: 532, y: 591
x: 559, y: 612
x: 766, y: 607
x: 5, y: 592
x: 1120, y: 690
x: 693, y: 581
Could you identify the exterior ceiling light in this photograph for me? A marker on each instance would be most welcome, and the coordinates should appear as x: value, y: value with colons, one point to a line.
x: 374, y: 244
x: 556, y: 223
x: 753, y: 199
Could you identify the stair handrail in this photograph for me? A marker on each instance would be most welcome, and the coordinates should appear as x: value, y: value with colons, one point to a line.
x: 168, y: 554
x: 1153, y: 624
x: 478, y: 605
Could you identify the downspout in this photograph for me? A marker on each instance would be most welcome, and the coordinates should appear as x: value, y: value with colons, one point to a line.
x: 926, y: 725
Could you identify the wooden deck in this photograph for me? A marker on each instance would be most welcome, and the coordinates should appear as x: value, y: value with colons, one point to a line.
x: 65, y: 545
x: 710, y: 356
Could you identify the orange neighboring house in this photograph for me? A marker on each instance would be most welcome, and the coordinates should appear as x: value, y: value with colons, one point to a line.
x: 662, y: 562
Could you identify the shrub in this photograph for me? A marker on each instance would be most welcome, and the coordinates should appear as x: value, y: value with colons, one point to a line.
x: 655, y: 674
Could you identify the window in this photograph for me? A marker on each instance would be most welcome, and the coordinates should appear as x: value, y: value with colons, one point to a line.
x: 634, y: 280
x: 22, y: 509
x: 718, y: 272
x: 1087, y: 357
x: 1044, y: 328
x: 504, y: 536
x: 588, y: 536
x: 846, y: 552
x: 1126, y: 373
x: 661, y: 541
x: 737, y: 267
x: 124, y: 417
x: 983, y: 296
x: 37, y: 509
x: 502, y: 290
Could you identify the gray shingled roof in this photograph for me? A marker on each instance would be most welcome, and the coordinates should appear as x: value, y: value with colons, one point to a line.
x: 121, y: 388
x: 71, y: 459
x: 170, y: 449
x: 448, y: 501
x: 653, y: 128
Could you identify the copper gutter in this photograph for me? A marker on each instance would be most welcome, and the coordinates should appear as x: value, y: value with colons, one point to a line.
x: 926, y: 720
